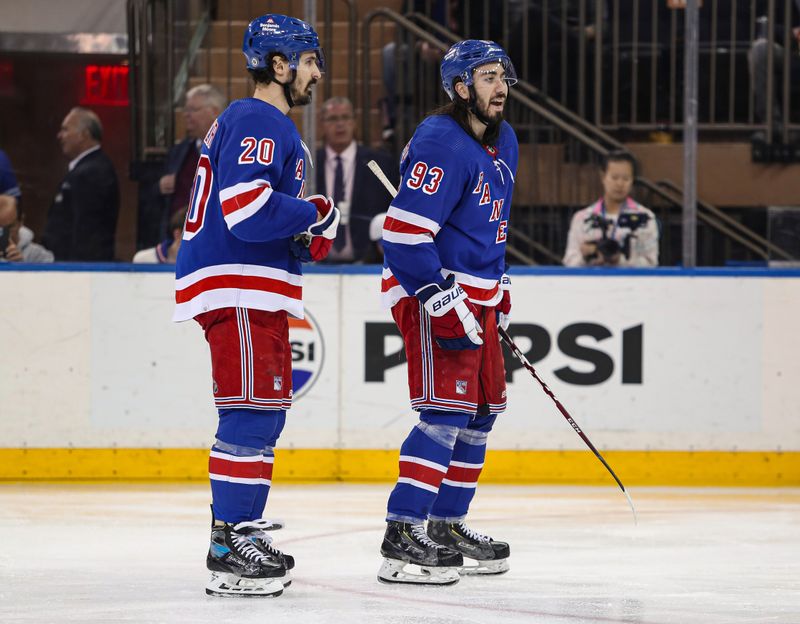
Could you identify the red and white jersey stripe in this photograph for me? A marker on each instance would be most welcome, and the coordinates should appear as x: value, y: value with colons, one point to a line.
x: 421, y: 473
x: 481, y: 291
x: 391, y: 290
x: 408, y: 228
x: 243, y: 200
x: 249, y: 470
x: 463, y: 475
x: 238, y: 286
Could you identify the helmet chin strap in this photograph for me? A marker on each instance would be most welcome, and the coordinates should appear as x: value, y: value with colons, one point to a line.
x: 287, y: 89
x: 287, y: 93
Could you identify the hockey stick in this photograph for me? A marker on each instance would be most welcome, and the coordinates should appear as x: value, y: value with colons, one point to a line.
x: 376, y: 169
x: 521, y: 357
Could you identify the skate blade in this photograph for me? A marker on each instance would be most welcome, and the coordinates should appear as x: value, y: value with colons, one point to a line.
x: 485, y: 568
x: 402, y: 572
x: 222, y: 584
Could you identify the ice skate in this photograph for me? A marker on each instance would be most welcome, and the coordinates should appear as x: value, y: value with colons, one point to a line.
x: 410, y: 556
x: 239, y: 567
x: 263, y: 542
x: 490, y: 556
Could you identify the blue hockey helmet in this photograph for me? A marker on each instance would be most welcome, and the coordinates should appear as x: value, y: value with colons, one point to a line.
x: 463, y: 57
x: 280, y: 33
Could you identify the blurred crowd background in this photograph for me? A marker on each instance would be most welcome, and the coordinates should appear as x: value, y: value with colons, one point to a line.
x: 103, y: 103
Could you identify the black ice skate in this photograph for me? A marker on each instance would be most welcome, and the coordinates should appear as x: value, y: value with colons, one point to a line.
x: 491, y: 557
x: 238, y: 566
x: 264, y: 543
x: 410, y: 556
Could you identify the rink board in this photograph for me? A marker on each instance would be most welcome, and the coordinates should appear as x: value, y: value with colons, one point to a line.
x: 679, y: 377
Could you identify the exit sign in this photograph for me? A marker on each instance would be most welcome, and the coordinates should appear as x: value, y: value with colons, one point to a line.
x: 105, y: 85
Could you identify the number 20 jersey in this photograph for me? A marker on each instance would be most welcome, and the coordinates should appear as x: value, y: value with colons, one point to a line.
x: 451, y: 212
x: 245, y: 209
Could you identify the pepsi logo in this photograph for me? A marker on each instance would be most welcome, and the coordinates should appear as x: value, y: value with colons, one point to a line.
x: 308, y: 354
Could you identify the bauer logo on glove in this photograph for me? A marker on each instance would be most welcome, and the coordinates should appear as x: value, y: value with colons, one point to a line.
x: 452, y: 315
x: 448, y: 297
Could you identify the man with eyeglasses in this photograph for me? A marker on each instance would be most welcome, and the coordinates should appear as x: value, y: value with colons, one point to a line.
x: 342, y: 174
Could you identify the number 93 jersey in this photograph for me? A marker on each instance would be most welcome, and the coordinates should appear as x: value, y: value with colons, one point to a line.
x: 244, y: 210
x: 451, y: 212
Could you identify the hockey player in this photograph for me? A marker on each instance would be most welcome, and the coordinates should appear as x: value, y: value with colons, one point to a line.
x: 443, y: 277
x: 239, y: 275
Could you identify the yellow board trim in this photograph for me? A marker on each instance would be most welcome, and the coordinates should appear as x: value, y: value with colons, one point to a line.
x: 693, y: 468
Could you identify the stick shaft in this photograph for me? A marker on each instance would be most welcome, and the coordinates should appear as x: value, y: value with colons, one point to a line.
x: 521, y: 357
x: 376, y: 169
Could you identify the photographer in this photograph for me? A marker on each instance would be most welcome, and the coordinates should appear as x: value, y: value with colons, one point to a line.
x: 615, y: 230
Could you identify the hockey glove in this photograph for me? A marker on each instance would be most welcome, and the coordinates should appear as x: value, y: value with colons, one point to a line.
x: 453, y: 321
x: 315, y: 243
x: 502, y: 310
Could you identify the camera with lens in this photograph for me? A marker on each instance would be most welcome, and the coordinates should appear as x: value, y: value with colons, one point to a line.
x: 610, y: 247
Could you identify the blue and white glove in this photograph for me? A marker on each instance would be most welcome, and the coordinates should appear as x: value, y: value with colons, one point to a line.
x: 503, y: 309
x: 453, y: 317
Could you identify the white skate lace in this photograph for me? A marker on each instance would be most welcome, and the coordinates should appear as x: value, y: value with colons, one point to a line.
x: 418, y: 532
x: 263, y: 525
x: 480, y: 537
x: 246, y: 548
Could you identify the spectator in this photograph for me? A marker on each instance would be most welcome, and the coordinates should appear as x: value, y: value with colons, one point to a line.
x: 16, y: 240
x: 82, y: 219
x: 615, y: 230
x: 165, y: 252
x: 342, y: 174
x: 203, y: 105
x: 758, y: 57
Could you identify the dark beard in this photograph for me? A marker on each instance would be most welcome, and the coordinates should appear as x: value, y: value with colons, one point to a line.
x: 495, y: 120
x: 302, y: 99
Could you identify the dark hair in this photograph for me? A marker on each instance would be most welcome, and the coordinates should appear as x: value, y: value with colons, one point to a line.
x: 619, y: 156
x: 265, y: 75
x: 458, y: 109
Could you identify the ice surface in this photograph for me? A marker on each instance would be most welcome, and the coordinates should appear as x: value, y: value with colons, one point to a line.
x: 136, y: 553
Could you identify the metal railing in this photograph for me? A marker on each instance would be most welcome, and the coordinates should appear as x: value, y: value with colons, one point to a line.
x: 164, y: 35
x: 170, y: 46
x: 619, y: 63
x: 542, y: 123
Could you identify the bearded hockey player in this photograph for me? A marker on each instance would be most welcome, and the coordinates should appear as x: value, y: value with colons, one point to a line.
x: 239, y: 276
x: 444, y: 241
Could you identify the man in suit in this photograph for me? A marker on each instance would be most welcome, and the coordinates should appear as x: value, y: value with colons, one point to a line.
x: 203, y: 105
x: 342, y: 173
x: 82, y: 220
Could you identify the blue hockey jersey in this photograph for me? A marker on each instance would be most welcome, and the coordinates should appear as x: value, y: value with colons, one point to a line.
x: 451, y: 213
x: 245, y: 208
